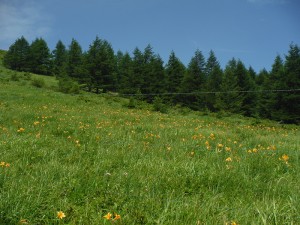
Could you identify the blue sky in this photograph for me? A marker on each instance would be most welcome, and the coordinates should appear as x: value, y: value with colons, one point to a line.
x: 254, y: 31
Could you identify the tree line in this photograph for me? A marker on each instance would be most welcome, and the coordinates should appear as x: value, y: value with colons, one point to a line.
x: 201, y: 85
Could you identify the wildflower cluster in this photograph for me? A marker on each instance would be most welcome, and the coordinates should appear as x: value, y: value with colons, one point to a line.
x: 21, y: 130
x: 285, y: 158
x: 109, y: 216
x: 4, y: 164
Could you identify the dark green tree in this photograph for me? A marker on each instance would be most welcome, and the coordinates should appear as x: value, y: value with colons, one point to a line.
x: 156, y: 77
x: 124, y: 73
x: 175, y: 71
x: 214, y: 75
x: 265, y: 96
x: 60, y: 57
x: 75, y: 60
x: 136, y: 80
x: 229, y: 98
x: 101, y: 66
x: 194, y: 81
x: 16, y: 57
x: 39, y: 57
x: 248, y: 90
x: 153, y: 75
x: 287, y: 104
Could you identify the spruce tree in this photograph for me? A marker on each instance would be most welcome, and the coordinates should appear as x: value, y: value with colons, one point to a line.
x: 101, y: 65
x: 265, y: 97
x: 175, y: 71
x: 137, y: 81
x: 291, y: 100
x: 214, y: 75
x: 75, y: 60
x: 194, y: 81
x: 229, y: 98
x: 287, y: 77
x: 247, y: 86
x: 60, y: 55
x: 153, y: 75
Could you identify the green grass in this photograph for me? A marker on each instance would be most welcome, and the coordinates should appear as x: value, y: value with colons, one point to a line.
x: 87, y: 155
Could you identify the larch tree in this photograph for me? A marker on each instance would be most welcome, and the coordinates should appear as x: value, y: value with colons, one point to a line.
x: 39, y: 57
x: 16, y: 57
x: 60, y: 57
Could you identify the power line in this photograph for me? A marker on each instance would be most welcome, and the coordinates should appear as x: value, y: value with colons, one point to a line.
x: 211, y: 92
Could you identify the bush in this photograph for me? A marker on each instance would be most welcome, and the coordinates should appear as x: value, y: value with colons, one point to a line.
x: 159, y: 106
x: 38, y: 82
x: 68, y: 86
x: 132, y: 103
x: 14, y: 77
x: 27, y: 76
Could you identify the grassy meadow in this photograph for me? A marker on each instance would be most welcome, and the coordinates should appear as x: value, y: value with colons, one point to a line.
x: 88, y: 159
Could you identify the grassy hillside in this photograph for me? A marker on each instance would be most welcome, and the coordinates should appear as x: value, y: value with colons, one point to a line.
x: 86, y: 156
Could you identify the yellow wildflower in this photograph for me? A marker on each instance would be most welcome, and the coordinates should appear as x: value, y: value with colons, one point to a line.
x: 229, y: 159
x: 285, y: 157
x: 2, y: 164
x: 220, y: 145
x: 117, y: 216
x: 60, y: 215
x: 23, y: 221
x: 228, y: 149
x: 107, y: 216
x: 21, y: 130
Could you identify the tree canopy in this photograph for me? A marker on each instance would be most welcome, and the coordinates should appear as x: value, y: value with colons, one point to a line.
x: 201, y: 85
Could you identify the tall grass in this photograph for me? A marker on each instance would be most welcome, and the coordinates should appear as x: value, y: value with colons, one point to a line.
x: 88, y: 155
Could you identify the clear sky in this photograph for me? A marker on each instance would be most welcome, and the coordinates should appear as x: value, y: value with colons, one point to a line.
x: 254, y: 31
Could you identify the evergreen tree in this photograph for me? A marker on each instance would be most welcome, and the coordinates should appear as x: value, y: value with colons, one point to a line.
x: 39, y: 57
x: 101, y: 65
x: 252, y: 73
x: 229, y: 98
x: 291, y: 100
x: 146, y: 67
x: 136, y: 81
x: 194, y: 81
x: 265, y: 104
x: 75, y: 60
x: 175, y: 71
x: 248, y: 94
x: 287, y: 104
x: 60, y: 55
x: 124, y: 73
x: 156, y: 76
x: 214, y: 75
x: 153, y: 76
x: 16, y: 57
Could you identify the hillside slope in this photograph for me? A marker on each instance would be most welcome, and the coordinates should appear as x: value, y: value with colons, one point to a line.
x: 86, y: 159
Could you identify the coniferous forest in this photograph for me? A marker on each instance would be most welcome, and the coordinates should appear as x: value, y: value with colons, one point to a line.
x: 201, y: 85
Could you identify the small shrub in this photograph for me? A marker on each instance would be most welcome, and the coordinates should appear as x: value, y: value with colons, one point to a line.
x: 68, y: 86
x: 131, y: 104
x: 14, y: 77
x: 38, y: 82
x: 27, y: 76
x: 159, y: 106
